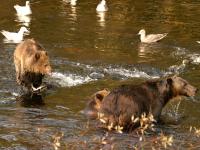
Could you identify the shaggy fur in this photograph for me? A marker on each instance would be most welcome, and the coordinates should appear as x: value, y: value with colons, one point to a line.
x: 31, y: 63
x: 149, y: 97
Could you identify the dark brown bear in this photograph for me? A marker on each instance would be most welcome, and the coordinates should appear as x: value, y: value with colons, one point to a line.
x: 31, y: 64
x: 151, y: 96
x: 94, y: 103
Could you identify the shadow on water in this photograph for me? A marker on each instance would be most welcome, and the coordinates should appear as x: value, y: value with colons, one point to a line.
x: 30, y: 99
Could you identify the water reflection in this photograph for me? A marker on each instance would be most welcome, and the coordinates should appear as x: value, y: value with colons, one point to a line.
x: 73, y: 13
x: 72, y: 2
x: 24, y: 20
x: 30, y: 99
x: 145, y: 51
x: 101, y: 18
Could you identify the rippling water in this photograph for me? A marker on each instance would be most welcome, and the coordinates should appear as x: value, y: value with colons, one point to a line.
x: 89, y: 52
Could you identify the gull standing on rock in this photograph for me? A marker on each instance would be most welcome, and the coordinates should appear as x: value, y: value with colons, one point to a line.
x: 13, y: 36
x: 101, y: 7
x: 151, y: 38
x: 23, y: 10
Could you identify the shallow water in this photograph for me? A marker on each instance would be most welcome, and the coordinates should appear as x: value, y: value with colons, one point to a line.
x: 89, y: 52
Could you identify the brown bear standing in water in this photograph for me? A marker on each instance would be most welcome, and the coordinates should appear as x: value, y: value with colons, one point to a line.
x: 31, y: 64
x: 126, y: 101
x: 94, y: 103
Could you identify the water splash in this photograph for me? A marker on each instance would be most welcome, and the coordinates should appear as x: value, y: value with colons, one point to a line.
x: 68, y: 80
x: 135, y: 73
x: 177, y: 69
x: 116, y: 71
x: 195, y: 58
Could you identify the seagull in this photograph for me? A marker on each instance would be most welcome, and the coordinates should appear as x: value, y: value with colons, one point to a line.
x: 23, y: 10
x: 13, y: 36
x: 101, y: 7
x: 73, y: 2
x: 198, y: 42
x: 151, y: 38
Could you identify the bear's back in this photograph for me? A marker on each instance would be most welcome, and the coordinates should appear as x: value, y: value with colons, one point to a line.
x: 27, y: 47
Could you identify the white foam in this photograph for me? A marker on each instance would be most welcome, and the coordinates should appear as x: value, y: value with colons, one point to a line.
x: 3, y: 91
x: 8, y: 101
x: 96, y: 75
x: 195, y: 58
x: 68, y: 80
x: 129, y: 73
x: 99, y: 72
x: 6, y: 96
x: 15, y: 94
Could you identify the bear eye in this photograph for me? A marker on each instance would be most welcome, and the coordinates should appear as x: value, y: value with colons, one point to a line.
x: 184, y: 84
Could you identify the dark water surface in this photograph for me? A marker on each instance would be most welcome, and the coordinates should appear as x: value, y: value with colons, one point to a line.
x: 89, y: 52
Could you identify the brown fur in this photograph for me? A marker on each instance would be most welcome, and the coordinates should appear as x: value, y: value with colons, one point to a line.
x: 149, y: 97
x: 31, y: 63
x: 94, y: 103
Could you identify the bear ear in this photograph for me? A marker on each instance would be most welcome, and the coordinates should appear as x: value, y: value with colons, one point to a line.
x: 99, y: 96
x: 169, y: 80
x: 106, y: 89
x: 44, y: 52
x: 37, y: 56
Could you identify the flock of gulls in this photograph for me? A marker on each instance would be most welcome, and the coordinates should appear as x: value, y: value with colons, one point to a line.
x: 24, y: 11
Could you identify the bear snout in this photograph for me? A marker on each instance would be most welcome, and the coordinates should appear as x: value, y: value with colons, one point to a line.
x: 191, y: 91
x: 48, y: 71
x: 91, y: 114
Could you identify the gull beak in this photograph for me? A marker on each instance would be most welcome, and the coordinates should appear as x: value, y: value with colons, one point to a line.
x: 27, y: 32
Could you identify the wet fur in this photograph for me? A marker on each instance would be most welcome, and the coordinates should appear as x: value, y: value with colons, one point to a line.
x: 149, y: 97
x: 94, y: 104
x: 31, y: 63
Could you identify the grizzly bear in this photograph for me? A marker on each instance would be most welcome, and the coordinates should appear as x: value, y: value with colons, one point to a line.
x: 31, y: 64
x: 126, y: 101
x: 94, y: 104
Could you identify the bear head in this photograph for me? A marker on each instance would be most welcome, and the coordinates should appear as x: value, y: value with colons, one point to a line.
x: 39, y: 63
x: 181, y: 87
x: 94, y: 105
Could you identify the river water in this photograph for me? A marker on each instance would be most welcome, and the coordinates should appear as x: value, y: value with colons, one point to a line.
x: 91, y: 51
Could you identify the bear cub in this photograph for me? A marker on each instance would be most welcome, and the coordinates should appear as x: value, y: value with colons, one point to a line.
x: 121, y: 104
x: 31, y: 64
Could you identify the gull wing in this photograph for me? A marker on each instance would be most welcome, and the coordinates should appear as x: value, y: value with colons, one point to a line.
x: 155, y: 37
